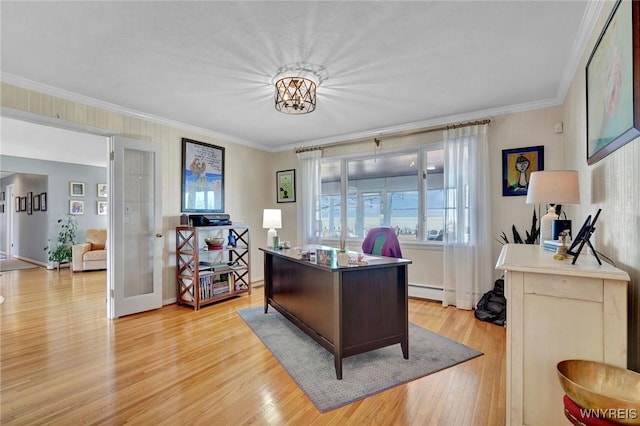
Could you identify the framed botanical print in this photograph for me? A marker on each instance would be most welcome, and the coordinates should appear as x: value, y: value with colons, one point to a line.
x: 286, y: 186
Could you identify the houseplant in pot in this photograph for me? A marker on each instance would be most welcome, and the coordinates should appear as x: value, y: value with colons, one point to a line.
x: 60, y: 252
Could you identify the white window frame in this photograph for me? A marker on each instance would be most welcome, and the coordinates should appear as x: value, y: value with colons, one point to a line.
x: 421, y: 150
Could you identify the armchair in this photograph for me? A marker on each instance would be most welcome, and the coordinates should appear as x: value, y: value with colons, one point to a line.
x: 92, y: 254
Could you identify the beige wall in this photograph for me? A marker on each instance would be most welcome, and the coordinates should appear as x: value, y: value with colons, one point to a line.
x: 612, y: 184
x: 247, y: 191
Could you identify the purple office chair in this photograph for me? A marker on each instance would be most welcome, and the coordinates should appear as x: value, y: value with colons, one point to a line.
x: 382, y: 241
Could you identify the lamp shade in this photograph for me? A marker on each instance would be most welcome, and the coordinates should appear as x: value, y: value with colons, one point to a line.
x: 554, y: 187
x: 272, y: 219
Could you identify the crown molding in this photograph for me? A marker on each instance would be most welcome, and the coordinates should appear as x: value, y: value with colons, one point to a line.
x: 587, y: 25
x: 424, y: 125
x: 96, y: 103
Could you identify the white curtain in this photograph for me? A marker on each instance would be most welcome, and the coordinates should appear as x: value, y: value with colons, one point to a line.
x: 468, y: 264
x: 309, y: 193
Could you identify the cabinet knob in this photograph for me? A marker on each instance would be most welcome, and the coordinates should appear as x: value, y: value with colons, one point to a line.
x: 159, y: 234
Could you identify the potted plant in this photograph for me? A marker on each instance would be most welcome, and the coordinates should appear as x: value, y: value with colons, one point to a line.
x: 531, y: 235
x: 61, y: 252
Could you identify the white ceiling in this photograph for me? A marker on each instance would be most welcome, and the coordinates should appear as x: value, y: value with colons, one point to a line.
x: 392, y: 66
x: 30, y: 140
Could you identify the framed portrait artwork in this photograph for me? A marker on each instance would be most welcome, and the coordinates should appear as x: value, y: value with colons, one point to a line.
x: 286, y: 186
x: 517, y: 166
x: 202, y: 177
x: 36, y: 202
x: 76, y: 207
x: 613, y: 83
x: 23, y: 204
x: 18, y: 203
x: 76, y: 189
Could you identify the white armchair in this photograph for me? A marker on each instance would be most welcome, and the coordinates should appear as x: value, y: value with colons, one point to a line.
x: 91, y: 255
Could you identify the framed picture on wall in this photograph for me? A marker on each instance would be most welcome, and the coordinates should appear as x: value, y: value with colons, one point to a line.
x: 202, y: 177
x: 76, y: 207
x: 517, y: 166
x: 76, y: 189
x: 102, y: 207
x: 1, y: 208
x: 613, y: 83
x: 36, y: 202
x: 23, y: 204
x: 286, y: 186
x: 102, y: 190
x: 17, y: 202
x: 43, y: 202
x: 29, y: 202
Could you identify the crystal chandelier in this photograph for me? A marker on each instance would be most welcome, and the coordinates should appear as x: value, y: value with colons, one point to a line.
x: 296, y: 86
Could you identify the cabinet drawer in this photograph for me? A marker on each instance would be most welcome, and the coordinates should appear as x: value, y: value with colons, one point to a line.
x: 568, y: 287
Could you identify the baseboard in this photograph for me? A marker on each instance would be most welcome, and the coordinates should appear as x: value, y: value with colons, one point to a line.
x: 425, y: 292
x: 35, y: 262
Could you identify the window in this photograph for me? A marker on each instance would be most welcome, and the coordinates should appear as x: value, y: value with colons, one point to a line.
x: 403, y: 190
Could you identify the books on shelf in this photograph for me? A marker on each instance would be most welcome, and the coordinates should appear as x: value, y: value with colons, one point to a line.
x: 212, y: 285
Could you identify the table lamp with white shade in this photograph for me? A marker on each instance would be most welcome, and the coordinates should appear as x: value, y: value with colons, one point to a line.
x: 554, y: 187
x: 271, y: 220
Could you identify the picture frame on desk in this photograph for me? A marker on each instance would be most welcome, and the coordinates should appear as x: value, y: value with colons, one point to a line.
x: 613, y: 83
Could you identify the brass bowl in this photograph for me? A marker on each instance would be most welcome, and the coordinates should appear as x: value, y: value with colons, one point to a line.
x: 214, y: 241
x: 594, y: 385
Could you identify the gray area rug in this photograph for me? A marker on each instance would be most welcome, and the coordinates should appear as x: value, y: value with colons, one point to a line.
x: 15, y: 264
x: 311, y: 366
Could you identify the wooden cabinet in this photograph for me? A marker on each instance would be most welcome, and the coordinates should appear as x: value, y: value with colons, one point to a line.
x: 206, y: 274
x: 557, y: 311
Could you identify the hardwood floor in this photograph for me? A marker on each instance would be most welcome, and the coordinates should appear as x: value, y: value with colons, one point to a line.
x: 64, y: 362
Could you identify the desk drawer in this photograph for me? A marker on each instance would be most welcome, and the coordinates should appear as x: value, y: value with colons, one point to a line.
x: 567, y: 287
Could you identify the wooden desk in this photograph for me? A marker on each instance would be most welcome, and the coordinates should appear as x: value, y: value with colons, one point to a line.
x: 348, y: 310
x: 557, y: 311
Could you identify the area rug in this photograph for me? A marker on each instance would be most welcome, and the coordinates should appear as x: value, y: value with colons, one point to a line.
x: 311, y: 366
x: 15, y: 264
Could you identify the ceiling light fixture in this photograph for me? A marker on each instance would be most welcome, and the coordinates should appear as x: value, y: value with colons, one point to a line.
x: 296, y: 86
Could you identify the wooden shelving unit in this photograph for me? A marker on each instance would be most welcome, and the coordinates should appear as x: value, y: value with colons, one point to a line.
x: 207, y: 276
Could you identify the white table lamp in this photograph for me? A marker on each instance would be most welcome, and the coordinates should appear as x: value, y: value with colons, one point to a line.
x: 272, y: 220
x: 554, y: 187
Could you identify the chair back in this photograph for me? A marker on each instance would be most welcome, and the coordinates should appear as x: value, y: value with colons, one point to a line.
x: 382, y: 241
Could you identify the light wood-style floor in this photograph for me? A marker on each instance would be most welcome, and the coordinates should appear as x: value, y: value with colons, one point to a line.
x: 64, y: 363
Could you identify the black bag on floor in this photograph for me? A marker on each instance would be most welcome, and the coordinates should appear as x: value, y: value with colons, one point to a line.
x: 492, y: 307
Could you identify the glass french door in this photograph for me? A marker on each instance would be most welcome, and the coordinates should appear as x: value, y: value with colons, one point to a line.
x: 134, y: 274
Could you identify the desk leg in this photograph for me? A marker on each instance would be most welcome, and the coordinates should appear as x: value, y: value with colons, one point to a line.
x: 268, y: 266
x: 337, y: 361
x: 337, y: 323
x: 403, y: 280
